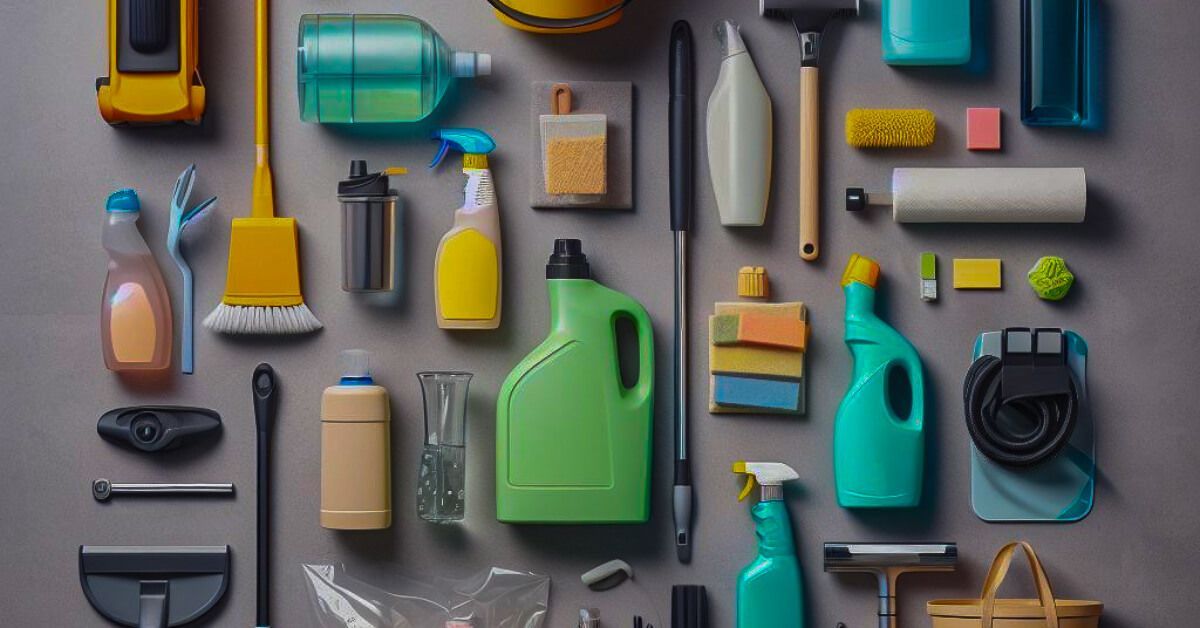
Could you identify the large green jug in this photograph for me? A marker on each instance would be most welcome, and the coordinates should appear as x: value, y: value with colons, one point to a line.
x: 573, y: 436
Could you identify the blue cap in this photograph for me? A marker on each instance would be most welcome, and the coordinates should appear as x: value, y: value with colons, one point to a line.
x: 466, y: 141
x: 123, y: 200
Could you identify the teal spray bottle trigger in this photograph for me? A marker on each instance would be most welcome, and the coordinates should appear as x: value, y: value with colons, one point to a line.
x: 878, y: 444
x: 769, y: 590
x: 467, y: 269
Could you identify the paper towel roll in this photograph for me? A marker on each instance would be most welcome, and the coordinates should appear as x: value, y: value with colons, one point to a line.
x: 989, y: 194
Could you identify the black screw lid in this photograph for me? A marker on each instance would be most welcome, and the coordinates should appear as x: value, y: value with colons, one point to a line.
x: 856, y: 199
x: 362, y: 183
x: 568, y: 261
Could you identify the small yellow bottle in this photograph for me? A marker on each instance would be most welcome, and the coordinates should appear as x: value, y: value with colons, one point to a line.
x: 468, y: 265
x: 356, y: 467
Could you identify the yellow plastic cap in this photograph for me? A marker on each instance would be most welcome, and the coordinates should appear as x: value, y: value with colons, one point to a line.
x: 474, y: 161
x: 861, y: 269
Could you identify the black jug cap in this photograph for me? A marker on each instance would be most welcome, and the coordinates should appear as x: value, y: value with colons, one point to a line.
x: 568, y: 261
x: 362, y: 183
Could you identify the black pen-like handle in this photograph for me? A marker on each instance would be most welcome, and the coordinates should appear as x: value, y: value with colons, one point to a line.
x: 682, y: 125
x: 266, y: 401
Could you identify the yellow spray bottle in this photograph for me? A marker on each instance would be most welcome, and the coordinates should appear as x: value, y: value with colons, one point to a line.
x: 467, y: 269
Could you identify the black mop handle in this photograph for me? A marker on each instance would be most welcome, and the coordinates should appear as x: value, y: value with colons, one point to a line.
x: 265, y: 392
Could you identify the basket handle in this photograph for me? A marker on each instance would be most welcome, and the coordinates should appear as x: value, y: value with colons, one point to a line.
x: 996, y: 576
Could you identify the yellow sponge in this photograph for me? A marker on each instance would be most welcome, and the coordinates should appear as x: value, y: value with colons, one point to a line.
x: 977, y: 274
x: 890, y: 128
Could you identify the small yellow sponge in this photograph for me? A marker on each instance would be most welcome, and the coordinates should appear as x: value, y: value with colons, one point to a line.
x: 890, y: 128
x: 977, y: 274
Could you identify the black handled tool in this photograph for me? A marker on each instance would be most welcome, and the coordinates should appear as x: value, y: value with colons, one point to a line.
x: 266, y: 402
x: 682, y: 135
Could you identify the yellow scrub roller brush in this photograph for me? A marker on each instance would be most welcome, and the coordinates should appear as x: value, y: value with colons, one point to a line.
x: 890, y: 128
x: 262, y: 286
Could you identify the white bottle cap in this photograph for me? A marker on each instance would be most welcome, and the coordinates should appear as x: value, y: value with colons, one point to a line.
x: 469, y: 64
x: 356, y: 363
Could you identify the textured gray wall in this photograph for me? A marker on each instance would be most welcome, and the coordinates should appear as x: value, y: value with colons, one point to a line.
x: 1137, y: 552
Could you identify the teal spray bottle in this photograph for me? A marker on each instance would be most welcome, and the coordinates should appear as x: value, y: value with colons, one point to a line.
x: 878, y: 445
x: 769, y: 591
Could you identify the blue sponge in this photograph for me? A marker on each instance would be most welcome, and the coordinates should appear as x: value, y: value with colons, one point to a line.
x: 757, y: 393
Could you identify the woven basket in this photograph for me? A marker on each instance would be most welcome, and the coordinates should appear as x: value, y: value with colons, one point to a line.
x: 989, y: 612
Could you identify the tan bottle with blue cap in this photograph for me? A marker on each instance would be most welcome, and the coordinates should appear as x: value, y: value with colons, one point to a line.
x: 467, y: 269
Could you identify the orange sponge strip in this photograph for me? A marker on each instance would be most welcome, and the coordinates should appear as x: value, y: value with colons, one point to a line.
x: 756, y: 329
x: 772, y: 331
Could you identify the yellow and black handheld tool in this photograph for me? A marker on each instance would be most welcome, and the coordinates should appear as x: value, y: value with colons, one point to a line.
x: 153, y: 52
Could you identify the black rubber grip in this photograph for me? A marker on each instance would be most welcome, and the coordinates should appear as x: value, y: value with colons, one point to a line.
x: 682, y: 125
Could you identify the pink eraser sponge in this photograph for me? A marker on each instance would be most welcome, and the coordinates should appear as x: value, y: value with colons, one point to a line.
x: 983, y: 128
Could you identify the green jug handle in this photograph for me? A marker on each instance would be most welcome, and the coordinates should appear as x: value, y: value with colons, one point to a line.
x: 911, y: 365
x: 645, y: 332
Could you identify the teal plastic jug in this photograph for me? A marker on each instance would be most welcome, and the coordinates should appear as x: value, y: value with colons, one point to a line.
x: 573, y: 434
x: 375, y: 68
x: 878, y: 444
x: 769, y: 590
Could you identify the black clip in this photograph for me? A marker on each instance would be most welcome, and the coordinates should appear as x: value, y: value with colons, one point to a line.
x: 1033, y: 363
x: 157, y: 428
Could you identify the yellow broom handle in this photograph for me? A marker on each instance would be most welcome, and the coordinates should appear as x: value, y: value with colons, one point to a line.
x: 263, y: 196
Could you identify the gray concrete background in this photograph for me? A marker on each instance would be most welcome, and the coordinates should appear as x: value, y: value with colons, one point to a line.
x: 1137, y: 289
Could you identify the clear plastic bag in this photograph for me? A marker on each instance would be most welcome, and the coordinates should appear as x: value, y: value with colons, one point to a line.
x: 494, y: 598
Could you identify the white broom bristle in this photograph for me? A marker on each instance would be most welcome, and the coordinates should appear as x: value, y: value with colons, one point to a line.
x: 245, y: 319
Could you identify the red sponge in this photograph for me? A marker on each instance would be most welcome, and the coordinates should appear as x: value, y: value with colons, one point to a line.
x: 983, y: 128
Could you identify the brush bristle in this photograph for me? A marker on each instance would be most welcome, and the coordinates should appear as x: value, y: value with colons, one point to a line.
x: 261, y: 320
x: 890, y: 128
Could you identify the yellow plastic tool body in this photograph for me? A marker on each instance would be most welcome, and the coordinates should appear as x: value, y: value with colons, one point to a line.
x: 563, y: 10
x: 154, y: 97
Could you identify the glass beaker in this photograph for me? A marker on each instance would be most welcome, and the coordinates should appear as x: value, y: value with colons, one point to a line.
x: 441, y: 481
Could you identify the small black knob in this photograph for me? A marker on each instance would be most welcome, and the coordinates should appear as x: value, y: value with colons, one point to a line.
x: 856, y: 199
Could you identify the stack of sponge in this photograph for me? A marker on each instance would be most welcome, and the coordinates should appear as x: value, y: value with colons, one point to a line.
x: 756, y: 358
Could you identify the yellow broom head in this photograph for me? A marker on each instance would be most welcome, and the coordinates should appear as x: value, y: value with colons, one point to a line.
x: 890, y: 128
x: 262, y: 286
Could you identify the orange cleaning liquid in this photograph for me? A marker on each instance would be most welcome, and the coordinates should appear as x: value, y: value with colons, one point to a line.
x: 135, y: 314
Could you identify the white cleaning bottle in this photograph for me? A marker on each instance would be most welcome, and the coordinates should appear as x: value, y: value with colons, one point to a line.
x: 739, y: 134
x: 467, y: 269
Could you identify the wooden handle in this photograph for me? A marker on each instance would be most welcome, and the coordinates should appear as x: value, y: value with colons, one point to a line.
x: 996, y: 576
x: 810, y: 173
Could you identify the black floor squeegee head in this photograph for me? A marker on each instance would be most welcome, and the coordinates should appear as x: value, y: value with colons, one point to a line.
x: 153, y: 587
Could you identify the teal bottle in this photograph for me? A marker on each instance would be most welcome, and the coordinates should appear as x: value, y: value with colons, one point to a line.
x: 926, y: 32
x: 1056, y: 60
x: 375, y: 68
x: 878, y: 442
x: 769, y: 590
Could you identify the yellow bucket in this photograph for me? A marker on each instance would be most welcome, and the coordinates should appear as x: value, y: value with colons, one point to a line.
x: 989, y: 612
x: 559, y: 16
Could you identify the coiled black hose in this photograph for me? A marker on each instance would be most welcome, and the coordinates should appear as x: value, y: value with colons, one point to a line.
x: 998, y: 425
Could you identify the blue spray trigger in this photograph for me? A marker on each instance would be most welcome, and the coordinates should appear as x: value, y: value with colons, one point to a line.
x: 441, y: 154
x: 466, y: 141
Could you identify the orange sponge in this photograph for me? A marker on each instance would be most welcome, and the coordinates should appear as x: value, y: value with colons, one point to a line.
x: 757, y: 329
